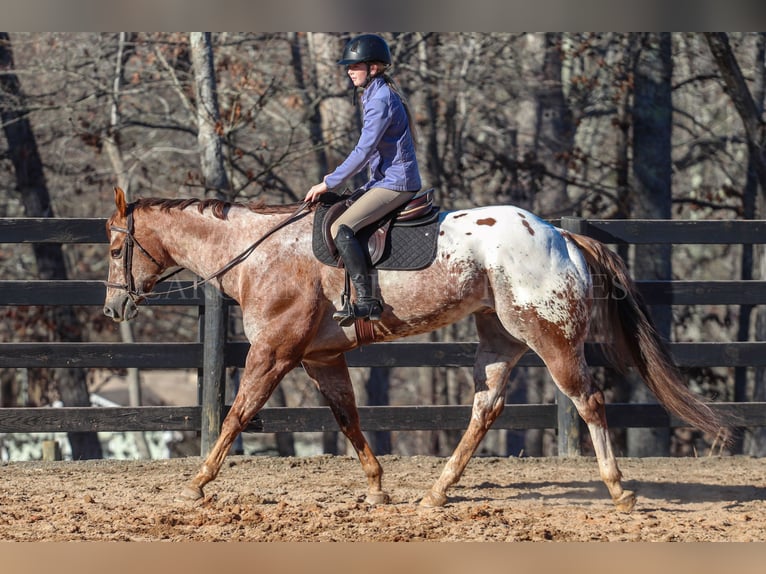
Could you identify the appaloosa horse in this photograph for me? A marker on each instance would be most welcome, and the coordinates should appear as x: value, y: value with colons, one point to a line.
x: 528, y: 285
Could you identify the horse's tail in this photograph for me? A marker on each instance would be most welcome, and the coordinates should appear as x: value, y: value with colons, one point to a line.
x: 619, y: 305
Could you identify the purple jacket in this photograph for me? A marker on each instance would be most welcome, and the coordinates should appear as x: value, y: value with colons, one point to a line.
x: 385, y: 144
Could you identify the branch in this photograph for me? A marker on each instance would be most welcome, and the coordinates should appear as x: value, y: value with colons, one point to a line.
x: 176, y: 84
x: 738, y: 91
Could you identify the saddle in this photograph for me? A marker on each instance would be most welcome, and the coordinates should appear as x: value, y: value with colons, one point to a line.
x: 403, y: 240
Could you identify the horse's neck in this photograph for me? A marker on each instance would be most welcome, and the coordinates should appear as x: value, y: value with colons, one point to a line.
x: 203, y: 243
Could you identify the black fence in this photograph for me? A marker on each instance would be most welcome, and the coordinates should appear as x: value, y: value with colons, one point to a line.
x: 211, y: 358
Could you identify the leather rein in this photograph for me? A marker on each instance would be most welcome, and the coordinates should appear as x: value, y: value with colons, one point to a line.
x: 131, y: 243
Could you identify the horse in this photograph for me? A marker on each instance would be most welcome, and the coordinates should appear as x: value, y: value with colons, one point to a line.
x: 527, y: 283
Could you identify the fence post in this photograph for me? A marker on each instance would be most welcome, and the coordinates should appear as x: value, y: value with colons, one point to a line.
x: 213, y: 369
x: 567, y: 416
x: 51, y: 450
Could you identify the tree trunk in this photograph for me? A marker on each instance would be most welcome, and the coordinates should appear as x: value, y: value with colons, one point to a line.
x: 752, y: 440
x: 123, y: 181
x: 750, y: 107
x: 334, y: 120
x: 554, y: 134
x: 210, y: 147
x: 545, y: 138
x: 652, y: 127
x: 755, y: 438
x: 209, y: 127
x: 424, y: 105
x: 31, y: 184
x: 318, y: 167
x: 620, y: 385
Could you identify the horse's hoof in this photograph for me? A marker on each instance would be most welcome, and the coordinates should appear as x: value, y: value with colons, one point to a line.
x: 192, y: 493
x: 626, y: 501
x: 378, y: 498
x: 433, y: 500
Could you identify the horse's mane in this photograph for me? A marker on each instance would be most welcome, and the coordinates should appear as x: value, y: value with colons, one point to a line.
x: 218, y: 207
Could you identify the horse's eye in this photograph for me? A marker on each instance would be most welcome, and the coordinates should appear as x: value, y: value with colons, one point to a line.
x: 116, y: 253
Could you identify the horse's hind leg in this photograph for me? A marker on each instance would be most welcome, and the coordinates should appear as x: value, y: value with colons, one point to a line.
x: 570, y: 372
x: 334, y: 383
x: 498, y: 352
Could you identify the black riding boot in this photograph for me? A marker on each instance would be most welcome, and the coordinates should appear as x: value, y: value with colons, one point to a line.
x: 354, y: 259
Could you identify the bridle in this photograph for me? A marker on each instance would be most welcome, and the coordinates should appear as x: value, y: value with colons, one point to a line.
x: 128, y: 248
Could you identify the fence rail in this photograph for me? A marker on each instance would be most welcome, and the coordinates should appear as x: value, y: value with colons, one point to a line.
x: 319, y: 419
x: 400, y: 354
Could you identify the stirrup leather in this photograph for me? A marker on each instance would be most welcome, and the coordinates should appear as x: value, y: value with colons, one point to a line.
x: 367, y: 308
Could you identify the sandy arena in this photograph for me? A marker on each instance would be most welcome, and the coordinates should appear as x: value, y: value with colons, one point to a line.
x: 321, y: 498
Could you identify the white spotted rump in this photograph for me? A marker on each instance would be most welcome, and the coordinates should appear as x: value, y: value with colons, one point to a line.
x: 523, y: 256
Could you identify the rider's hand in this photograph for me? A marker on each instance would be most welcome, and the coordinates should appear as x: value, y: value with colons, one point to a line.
x: 316, y: 191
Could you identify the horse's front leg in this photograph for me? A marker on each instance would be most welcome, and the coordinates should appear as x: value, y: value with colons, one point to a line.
x: 333, y: 381
x: 264, y: 369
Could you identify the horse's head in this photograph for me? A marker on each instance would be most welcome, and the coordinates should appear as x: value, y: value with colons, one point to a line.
x: 135, y: 265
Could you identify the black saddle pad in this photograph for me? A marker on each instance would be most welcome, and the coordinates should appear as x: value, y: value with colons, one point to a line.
x: 409, y: 245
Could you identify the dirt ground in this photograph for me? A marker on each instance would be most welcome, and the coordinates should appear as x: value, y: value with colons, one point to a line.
x: 321, y: 498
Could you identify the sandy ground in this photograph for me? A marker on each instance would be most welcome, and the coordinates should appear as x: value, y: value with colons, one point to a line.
x: 321, y: 498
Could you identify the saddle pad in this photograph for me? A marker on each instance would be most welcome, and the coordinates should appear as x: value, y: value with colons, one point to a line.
x: 409, y: 247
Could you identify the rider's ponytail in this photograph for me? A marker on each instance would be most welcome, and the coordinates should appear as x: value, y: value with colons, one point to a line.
x: 395, y: 88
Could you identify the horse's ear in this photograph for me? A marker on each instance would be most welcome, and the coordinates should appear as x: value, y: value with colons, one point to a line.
x: 119, y: 201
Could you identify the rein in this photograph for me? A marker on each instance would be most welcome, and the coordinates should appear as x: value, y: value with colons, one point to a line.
x: 132, y: 242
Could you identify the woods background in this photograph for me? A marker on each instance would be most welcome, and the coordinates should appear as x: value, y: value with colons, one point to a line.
x: 603, y: 125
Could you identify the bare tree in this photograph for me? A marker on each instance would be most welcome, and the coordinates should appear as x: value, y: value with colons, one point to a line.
x: 112, y: 147
x: 651, y: 182
x: 755, y: 128
x: 750, y: 107
x: 216, y: 181
x: 31, y: 184
x: 208, y: 116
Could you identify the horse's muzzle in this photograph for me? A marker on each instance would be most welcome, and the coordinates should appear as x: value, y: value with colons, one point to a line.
x: 121, y: 308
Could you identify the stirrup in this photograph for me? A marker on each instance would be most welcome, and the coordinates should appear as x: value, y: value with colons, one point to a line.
x: 345, y: 315
x: 368, y: 309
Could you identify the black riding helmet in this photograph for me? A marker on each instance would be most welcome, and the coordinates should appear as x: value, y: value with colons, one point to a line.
x: 365, y: 48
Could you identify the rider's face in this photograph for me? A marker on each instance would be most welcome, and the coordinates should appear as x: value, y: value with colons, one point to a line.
x: 358, y: 73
